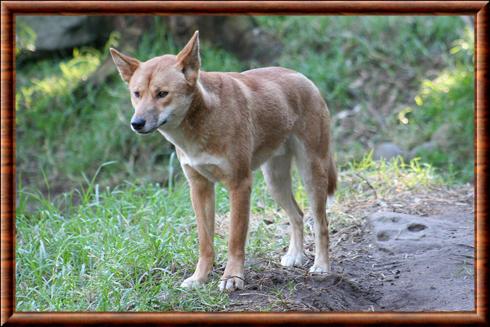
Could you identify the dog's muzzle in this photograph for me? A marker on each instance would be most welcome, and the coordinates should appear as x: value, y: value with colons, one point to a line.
x: 138, y: 123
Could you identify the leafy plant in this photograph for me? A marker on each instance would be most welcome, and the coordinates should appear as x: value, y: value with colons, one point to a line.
x: 443, y: 115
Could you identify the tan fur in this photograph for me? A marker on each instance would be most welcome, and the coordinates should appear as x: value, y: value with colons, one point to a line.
x: 225, y: 125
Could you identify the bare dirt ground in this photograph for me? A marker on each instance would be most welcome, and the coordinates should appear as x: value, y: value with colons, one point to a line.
x: 413, y: 252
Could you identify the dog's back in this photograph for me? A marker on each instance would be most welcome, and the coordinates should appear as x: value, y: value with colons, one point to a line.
x: 268, y: 106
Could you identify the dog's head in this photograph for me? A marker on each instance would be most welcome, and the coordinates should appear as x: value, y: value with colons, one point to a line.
x: 161, y: 88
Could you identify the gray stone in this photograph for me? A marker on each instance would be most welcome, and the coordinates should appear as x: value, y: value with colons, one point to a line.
x: 424, y: 147
x: 427, y: 262
x: 387, y: 151
x: 442, y: 136
x: 66, y: 32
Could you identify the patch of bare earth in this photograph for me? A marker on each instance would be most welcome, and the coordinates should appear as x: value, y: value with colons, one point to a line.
x: 409, y: 251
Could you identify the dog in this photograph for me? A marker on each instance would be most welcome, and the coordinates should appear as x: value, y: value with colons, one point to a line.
x: 224, y: 125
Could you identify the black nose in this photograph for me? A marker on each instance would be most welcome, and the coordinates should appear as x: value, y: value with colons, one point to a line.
x: 138, y: 123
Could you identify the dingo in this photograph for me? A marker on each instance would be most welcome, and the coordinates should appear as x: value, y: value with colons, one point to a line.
x: 225, y: 125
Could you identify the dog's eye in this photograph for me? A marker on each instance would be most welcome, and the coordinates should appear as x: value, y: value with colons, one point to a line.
x: 162, y: 94
x: 136, y: 94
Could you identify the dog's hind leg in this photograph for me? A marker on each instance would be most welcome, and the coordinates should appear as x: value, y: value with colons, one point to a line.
x: 313, y: 166
x: 277, y: 174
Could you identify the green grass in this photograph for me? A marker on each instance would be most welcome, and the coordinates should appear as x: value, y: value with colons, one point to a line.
x: 335, y: 51
x: 120, y: 249
x: 128, y: 248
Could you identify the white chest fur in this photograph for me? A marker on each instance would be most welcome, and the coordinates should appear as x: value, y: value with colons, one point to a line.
x: 211, y: 166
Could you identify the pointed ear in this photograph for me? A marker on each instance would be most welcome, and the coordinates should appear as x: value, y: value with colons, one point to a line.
x: 189, y: 59
x: 126, y: 65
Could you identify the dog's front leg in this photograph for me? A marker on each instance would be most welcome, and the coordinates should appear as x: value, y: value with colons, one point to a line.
x: 233, y: 277
x: 202, y: 196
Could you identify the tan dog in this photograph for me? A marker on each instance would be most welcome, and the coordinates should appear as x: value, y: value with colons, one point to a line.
x: 225, y: 125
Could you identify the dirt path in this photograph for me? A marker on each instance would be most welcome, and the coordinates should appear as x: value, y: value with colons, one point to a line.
x: 393, y: 262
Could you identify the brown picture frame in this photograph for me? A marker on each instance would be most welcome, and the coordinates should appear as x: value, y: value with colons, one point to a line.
x: 9, y: 9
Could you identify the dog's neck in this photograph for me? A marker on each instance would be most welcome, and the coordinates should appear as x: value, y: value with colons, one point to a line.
x: 197, y: 109
x: 189, y: 133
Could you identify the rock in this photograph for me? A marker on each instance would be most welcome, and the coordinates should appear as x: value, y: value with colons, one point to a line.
x: 424, y: 147
x: 401, y: 233
x: 441, y: 139
x: 427, y: 263
x: 387, y: 151
x: 442, y: 136
x: 55, y: 33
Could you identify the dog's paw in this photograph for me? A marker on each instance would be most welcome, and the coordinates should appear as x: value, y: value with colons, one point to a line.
x: 191, y: 282
x: 320, y: 268
x: 232, y: 283
x: 296, y: 259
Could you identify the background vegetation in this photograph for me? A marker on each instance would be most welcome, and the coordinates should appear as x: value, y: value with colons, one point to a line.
x: 103, y: 215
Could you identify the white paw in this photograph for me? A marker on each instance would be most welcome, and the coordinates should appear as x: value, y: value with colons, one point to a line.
x: 293, y: 259
x: 191, y: 282
x: 320, y: 268
x: 231, y: 283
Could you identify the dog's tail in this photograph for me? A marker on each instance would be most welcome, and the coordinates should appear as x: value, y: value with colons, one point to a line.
x: 332, y: 180
x: 332, y: 176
